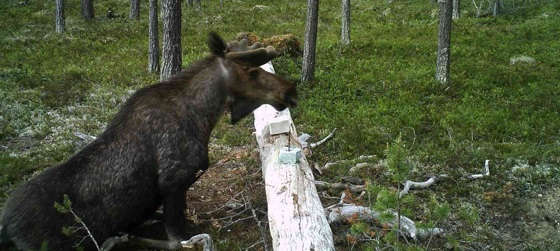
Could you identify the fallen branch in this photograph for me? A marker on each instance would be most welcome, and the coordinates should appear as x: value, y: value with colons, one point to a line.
x: 316, y: 144
x: 338, y: 185
x: 85, y: 137
x: 486, y: 172
x: 412, y: 184
x: 432, y: 180
x: 342, y: 212
x: 204, y: 239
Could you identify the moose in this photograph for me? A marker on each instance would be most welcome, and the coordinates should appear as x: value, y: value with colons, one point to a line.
x: 151, y: 152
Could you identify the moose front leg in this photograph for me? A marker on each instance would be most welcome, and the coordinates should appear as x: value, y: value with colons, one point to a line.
x: 174, y: 205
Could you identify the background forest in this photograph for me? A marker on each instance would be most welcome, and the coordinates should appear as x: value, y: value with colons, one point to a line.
x: 379, y: 92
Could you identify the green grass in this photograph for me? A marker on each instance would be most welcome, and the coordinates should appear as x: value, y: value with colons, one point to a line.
x: 379, y: 87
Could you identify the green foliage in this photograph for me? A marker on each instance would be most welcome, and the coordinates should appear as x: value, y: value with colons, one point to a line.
x: 397, y: 160
x: 65, y: 207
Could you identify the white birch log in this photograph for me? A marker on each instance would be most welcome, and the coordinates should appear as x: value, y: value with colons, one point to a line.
x: 295, y: 213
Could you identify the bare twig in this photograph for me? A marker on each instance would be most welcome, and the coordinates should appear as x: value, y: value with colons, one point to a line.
x: 83, y: 224
x: 432, y: 180
x: 259, y: 223
x: 486, y: 172
x: 413, y: 184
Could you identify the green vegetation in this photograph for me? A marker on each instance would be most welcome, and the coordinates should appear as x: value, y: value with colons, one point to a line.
x: 374, y: 91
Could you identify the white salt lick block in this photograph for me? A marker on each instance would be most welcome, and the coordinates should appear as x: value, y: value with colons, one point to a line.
x: 289, y: 155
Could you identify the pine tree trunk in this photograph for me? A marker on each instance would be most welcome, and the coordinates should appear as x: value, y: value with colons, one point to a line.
x: 345, y: 37
x: 456, y: 9
x: 444, y: 41
x: 134, y: 9
x: 171, y: 53
x: 308, y: 66
x: 87, y: 9
x: 153, y: 51
x: 59, y: 16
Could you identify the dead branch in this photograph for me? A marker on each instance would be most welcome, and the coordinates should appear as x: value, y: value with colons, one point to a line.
x: 318, y: 143
x: 486, y: 172
x: 204, y: 239
x: 342, y: 212
x: 413, y: 184
x: 338, y: 185
x: 432, y: 180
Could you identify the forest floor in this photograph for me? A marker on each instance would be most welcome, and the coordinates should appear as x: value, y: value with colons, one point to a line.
x: 379, y: 92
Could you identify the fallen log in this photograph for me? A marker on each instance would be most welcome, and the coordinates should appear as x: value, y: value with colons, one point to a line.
x: 295, y: 213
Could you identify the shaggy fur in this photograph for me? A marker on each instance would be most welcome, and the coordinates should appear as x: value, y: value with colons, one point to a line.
x: 149, y: 155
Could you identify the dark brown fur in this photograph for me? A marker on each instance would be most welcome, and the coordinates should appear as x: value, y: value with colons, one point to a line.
x: 149, y: 155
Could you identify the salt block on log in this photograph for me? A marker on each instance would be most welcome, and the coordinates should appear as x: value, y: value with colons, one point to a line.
x: 289, y: 155
x: 279, y: 125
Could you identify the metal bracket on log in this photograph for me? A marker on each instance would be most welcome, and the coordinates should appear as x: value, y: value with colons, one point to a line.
x: 295, y: 214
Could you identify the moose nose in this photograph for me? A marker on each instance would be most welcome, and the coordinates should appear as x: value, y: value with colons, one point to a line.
x: 291, y: 101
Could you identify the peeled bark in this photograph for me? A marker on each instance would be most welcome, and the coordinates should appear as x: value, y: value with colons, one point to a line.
x: 171, y: 53
x: 134, y: 9
x: 296, y: 216
x: 308, y: 66
x: 456, y: 9
x: 345, y: 37
x: 59, y: 28
x: 87, y: 9
x: 444, y: 41
x: 153, y: 51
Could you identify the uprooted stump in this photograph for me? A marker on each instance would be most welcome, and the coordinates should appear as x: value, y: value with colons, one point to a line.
x: 286, y: 44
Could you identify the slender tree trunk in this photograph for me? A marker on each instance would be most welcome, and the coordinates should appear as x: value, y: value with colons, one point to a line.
x: 456, y: 9
x: 497, y: 9
x: 59, y: 16
x: 190, y: 3
x: 87, y: 9
x: 153, y: 51
x: 444, y: 41
x: 134, y: 9
x: 308, y: 66
x: 345, y: 37
x: 171, y: 53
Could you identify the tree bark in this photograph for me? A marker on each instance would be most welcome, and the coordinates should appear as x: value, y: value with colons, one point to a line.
x: 153, y: 51
x: 308, y: 66
x: 59, y: 28
x: 171, y: 53
x: 87, y: 9
x: 296, y: 216
x: 345, y: 37
x: 456, y: 9
x: 444, y: 41
x: 134, y: 9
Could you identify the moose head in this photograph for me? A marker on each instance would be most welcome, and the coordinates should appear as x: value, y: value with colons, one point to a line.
x: 248, y: 85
